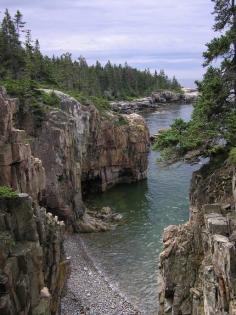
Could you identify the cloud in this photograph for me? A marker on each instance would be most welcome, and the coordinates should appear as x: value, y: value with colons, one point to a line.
x: 136, y: 31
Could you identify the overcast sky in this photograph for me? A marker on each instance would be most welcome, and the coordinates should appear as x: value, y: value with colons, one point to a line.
x: 155, y: 34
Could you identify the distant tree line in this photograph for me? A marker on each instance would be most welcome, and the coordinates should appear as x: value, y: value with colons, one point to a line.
x: 22, y: 61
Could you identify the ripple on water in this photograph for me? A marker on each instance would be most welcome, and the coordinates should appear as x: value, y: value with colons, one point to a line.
x: 129, y: 255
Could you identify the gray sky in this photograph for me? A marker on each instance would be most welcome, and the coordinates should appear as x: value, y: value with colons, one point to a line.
x: 159, y: 34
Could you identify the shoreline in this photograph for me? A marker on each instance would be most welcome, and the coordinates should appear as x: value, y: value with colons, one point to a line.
x: 88, y: 291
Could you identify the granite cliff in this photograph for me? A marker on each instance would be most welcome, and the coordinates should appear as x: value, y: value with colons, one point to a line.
x: 32, y: 264
x: 83, y: 150
x: 198, y: 264
x: 52, y: 163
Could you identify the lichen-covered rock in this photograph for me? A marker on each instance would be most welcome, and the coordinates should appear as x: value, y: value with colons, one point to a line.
x: 198, y: 264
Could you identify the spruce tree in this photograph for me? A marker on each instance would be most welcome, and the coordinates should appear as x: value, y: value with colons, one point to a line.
x: 212, y: 128
x: 11, y: 52
x: 18, y: 21
x: 224, y: 46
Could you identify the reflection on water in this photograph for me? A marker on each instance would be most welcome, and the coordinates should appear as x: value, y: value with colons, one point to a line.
x: 129, y: 255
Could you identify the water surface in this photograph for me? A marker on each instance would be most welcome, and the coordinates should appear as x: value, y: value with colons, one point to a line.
x: 129, y: 255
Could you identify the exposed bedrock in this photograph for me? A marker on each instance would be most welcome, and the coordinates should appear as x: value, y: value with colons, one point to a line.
x: 198, y: 264
x: 18, y: 168
x: 50, y: 162
x: 154, y: 101
x: 32, y: 264
x: 83, y: 150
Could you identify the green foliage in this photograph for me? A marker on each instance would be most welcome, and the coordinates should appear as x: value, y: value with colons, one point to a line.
x: 179, y: 139
x: 23, y: 61
x: 212, y: 128
x: 31, y: 98
x: 100, y: 103
x: 50, y: 99
x: 7, y: 192
x: 232, y: 156
x: 120, y: 121
x: 19, y: 88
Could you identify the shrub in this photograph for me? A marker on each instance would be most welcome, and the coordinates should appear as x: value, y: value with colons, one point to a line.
x: 50, y: 99
x: 7, y: 192
x: 121, y: 121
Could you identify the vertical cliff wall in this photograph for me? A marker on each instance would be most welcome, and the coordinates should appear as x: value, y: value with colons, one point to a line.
x: 18, y: 168
x: 32, y: 263
x: 198, y: 264
x: 73, y: 148
x: 84, y: 150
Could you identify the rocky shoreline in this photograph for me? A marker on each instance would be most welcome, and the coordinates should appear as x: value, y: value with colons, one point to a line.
x: 154, y: 101
x: 88, y: 292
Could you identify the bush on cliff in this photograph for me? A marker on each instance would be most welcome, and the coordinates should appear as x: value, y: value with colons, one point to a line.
x: 7, y: 192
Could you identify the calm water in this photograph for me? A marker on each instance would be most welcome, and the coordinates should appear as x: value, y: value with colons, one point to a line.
x: 129, y: 254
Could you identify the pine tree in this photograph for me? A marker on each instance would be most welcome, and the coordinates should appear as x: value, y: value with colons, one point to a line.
x: 18, y: 21
x: 11, y: 52
x: 37, y: 67
x: 29, y: 55
x: 25, y: 61
x: 225, y: 45
x: 212, y: 128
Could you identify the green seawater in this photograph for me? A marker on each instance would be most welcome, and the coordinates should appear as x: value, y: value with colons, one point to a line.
x: 129, y: 255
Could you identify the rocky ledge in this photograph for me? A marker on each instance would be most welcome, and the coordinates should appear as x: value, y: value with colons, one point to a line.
x: 198, y: 264
x: 154, y: 101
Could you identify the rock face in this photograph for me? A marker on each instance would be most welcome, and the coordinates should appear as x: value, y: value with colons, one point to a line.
x: 198, y: 264
x: 18, y: 168
x: 115, y: 153
x: 32, y: 264
x: 154, y: 101
x: 76, y: 147
x: 83, y: 150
